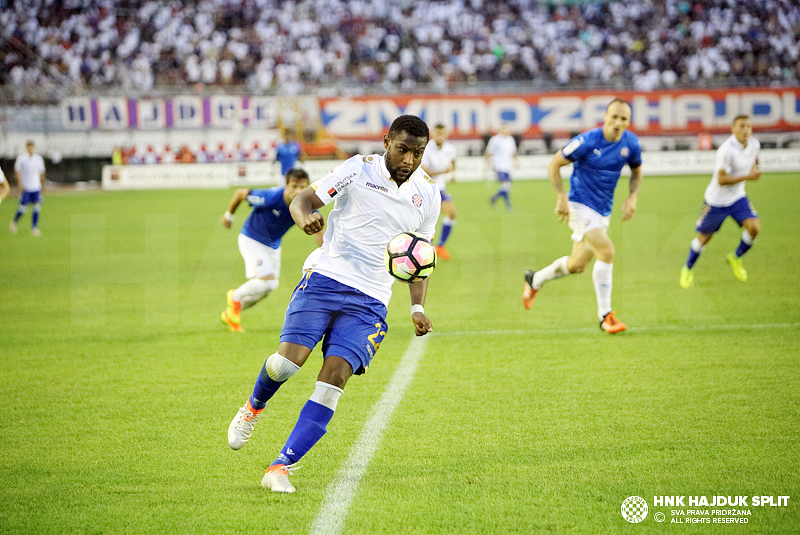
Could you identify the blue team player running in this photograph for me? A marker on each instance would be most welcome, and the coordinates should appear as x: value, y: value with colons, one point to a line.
x: 341, y: 299
x: 260, y: 242
x: 737, y: 162
x: 598, y: 157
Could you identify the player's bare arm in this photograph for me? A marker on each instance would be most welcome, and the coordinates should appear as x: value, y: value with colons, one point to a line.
x: 303, y: 211
x: 725, y: 179
x: 238, y: 196
x: 4, y: 189
x: 629, y: 204
x: 418, y: 290
x: 554, y: 173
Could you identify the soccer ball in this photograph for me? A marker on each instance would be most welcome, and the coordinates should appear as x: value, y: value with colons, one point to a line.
x: 410, y: 257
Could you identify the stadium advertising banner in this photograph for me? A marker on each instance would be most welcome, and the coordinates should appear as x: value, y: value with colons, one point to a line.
x: 467, y: 117
x: 180, y: 113
x: 654, y: 113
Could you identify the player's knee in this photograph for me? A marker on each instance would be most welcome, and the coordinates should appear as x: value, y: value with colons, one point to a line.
x: 280, y: 368
x: 753, y: 228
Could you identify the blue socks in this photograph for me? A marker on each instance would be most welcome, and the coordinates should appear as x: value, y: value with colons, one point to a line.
x: 310, y: 427
x: 447, y: 226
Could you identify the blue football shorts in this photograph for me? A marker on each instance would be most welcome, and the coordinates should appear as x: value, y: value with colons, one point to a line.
x: 30, y: 197
x: 445, y: 196
x: 503, y: 176
x: 350, y: 323
x: 711, y: 217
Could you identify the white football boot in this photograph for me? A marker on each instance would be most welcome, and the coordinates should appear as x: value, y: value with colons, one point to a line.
x: 276, y: 478
x: 242, y: 426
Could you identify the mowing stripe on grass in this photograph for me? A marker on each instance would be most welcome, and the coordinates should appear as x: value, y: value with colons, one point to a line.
x: 643, y: 328
x: 340, y: 493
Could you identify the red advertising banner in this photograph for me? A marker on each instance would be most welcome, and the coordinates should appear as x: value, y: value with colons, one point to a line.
x: 564, y: 113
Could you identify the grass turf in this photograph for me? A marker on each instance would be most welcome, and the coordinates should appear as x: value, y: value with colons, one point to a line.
x: 117, y: 381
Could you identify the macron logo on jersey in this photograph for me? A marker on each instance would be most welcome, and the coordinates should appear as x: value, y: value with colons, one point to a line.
x: 377, y: 187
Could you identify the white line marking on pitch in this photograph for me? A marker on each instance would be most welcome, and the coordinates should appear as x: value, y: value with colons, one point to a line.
x: 340, y: 493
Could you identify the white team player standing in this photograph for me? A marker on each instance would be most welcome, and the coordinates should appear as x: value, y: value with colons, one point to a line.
x: 29, y: 171
x: 502, y: 152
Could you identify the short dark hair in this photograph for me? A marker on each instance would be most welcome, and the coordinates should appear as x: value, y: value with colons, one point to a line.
x: 297, y: 173
x: 740, y: 116
x: 410, y: 124
x: 439, y: 126
x: 620, y: 100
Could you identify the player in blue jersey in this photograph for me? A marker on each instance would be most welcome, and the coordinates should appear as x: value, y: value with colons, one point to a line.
x: 260, y: 242
x: 342, y: 297
x: 737, y: 163
x: 289, y: 152
x: 598, y: 157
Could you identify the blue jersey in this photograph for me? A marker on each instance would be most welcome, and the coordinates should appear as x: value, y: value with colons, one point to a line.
x: 596, y: 167
x: 270, y: 218
x: 287, y: 154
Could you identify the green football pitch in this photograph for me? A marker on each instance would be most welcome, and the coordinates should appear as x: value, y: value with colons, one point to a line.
x: 117, y: 381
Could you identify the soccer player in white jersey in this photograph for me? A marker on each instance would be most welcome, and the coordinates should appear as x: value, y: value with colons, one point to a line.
x: 29, y: 171
x: 598, y: 156
x: 737, y: 162
x: 439, y: 161
x: 502, y: 152
x: 260, y: 242
x: 341, y: 299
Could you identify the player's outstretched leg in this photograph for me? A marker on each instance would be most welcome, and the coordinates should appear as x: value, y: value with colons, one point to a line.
x: 529, y: 292
x: 310, y: 428
x: 556, y: 270
x: 275, y: 371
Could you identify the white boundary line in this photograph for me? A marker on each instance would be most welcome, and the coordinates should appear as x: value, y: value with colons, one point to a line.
x: 643, y: 328
x: 340, y: 493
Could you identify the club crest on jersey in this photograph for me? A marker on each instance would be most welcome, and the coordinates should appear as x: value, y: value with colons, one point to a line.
x: 624, y: 152
x: 417, y: 200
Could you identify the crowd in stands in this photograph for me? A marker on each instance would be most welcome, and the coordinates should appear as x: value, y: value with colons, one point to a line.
x: 290, y: 47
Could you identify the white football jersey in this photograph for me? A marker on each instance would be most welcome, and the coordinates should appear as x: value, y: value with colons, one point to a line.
x: 736, y: 160
x: 2, y: 177
x: 438, y: 160
x: 502, y: 150
x: 369, y: 210
x: 30, y: 169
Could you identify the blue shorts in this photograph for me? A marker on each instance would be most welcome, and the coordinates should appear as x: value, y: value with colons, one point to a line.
x: 350, y: 323
x: 503, y: 177
x: 29, y: 197
x: 445, y: 196
x: 711, y: 217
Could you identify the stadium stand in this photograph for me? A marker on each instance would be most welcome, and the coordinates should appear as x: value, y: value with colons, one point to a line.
x: 269, y: 46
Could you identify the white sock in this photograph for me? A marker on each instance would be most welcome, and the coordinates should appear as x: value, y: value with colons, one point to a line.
x: 603, y: 275
x: 326, y: 395
x: 279, y: 368
x: 747, y: 238
x: 253, y: 291
x: 697, y: 247
x: 556, y: 270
